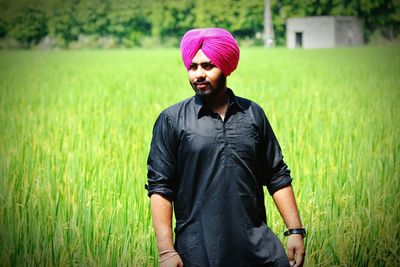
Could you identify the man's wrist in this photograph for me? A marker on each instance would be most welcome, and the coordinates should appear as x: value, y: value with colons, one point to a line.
x: 165, y: 244
x: 166, y: 251
x: 293, y: 231
x: 167, y: 254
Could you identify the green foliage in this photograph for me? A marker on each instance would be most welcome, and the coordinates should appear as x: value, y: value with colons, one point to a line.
x: 28, y: 25
x: 171, y: 18
x: 248, y: 18
x: 381, y: 14
x: 127, y: 21
x: 132, y: 22
x: 242, y: 18
x: 62, y: 22
x: 3, y: 29
x: 92, y: 17
x: 3, y: 23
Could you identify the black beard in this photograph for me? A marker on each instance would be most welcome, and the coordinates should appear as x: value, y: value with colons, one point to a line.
x: 213, y: 91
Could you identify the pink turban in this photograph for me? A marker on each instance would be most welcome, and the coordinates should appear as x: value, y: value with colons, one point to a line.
x: 216, y: 43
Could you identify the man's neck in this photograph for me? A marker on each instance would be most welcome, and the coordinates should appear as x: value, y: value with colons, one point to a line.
x: 218, y: 103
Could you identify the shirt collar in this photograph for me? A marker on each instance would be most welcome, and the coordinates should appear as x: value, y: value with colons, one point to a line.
x: 201, y: 110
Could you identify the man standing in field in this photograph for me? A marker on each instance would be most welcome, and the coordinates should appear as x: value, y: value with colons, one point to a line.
x: 210, y: 157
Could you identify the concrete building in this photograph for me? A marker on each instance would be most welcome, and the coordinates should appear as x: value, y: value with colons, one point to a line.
x: 324, y: 32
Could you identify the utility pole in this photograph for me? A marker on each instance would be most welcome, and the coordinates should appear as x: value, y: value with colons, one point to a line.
x: 268, y: 28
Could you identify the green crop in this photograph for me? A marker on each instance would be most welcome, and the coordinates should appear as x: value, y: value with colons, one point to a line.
x: 75, y: 130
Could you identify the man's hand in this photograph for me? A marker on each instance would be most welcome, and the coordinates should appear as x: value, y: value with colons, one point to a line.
x: 171, y: 260
x: 296, y: 250
x: 286, y: 204
x: 161, y: 211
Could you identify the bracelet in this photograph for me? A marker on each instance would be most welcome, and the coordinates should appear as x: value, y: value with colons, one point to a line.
x: 166, y: 251
x: 167, y: 258
x: 300, y: 231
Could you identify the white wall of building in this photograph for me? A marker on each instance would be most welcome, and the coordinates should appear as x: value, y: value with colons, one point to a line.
x: 348, y: 32
x: 324, y: 31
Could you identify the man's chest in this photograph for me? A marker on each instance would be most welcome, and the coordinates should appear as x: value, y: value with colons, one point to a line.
x: 237, y: 134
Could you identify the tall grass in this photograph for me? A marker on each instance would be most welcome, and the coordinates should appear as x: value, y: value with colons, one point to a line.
x: 75, y: 128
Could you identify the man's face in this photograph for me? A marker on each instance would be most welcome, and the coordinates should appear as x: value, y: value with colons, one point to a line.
x: 205, y: 78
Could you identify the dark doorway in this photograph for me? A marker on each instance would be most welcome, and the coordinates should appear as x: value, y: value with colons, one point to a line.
x: 299, y: 39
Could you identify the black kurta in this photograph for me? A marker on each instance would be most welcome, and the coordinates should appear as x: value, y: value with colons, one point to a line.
x: 214, y: 171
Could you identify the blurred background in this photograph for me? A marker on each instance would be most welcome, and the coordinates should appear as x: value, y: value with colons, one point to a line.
x: 75, y: 24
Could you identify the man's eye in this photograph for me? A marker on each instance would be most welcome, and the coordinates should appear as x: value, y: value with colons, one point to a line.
x: 193, y: 67
x: 207, y: 66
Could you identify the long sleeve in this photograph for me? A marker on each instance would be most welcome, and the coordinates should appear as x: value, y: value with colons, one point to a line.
x: 277, y: 173
x: 162, y: 159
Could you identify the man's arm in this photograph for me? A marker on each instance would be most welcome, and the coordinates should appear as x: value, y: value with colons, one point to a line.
x: 285, y: 202
x: 161, y: 211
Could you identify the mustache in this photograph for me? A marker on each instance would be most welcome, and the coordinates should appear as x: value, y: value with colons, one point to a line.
x: 197, y: 82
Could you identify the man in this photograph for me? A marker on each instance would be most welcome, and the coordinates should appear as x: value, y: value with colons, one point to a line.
x: 210, y: 156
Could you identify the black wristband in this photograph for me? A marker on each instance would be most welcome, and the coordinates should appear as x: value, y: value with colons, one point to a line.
x: 300, y: 231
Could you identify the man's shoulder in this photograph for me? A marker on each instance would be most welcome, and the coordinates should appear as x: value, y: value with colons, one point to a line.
x: 248, y: 104
x: 173, y: 111
x: 252, y: 109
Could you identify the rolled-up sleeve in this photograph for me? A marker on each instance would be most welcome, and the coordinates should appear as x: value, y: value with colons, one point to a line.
x: 277, y: 173
x: 162, y: 159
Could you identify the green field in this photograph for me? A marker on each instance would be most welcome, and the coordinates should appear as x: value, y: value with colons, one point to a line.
x: 75, y: 130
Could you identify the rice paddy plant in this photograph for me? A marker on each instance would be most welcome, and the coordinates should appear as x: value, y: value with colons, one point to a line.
x: 75, y: 129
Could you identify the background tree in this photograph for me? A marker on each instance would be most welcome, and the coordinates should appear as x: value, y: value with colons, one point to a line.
x: 92, y: 17
x: 3, y: 23
x: 128, y: 22
x: 62, y: 23
x: 26, y: 22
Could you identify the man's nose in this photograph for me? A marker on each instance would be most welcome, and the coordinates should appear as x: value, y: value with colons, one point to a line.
x: 200, y: 73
